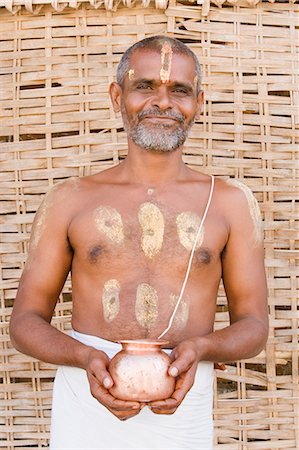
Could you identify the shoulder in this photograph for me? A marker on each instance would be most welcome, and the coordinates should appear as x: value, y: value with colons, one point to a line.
x: 239, y: 206
x: 233, y: 190
x: 60, y: 195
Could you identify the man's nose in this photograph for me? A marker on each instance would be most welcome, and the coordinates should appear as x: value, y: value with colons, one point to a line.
x: 162, y: 99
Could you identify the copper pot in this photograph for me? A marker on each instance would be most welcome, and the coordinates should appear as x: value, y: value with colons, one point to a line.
x: 139, y: 371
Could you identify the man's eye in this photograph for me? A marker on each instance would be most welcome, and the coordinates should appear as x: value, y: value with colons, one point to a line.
x: 180, y: 91
x: 144, y: 86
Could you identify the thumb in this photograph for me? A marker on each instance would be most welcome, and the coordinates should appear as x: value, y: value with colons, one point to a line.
x: 180, y: 365
x: 99, y: 369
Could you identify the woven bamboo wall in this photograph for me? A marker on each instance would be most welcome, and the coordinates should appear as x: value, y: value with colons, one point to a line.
x: 57, y: 122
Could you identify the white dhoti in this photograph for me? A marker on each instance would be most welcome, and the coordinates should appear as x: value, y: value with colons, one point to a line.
x: 79, y: 421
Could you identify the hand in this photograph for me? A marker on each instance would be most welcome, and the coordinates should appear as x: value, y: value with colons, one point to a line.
x: 100, y: 382
x: 183, y: 367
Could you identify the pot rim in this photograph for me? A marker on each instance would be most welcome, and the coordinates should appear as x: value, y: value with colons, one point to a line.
x: 157, y: 342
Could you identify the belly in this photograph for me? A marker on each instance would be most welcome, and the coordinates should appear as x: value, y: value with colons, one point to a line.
x: 124, y: 307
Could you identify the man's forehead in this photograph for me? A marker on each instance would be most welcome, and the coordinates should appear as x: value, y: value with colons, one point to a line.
x: 154, y: 64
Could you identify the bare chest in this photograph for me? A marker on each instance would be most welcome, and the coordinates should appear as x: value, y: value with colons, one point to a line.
x: 146, y: 234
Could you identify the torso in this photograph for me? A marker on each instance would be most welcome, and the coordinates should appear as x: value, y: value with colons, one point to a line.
x: 127, y: 272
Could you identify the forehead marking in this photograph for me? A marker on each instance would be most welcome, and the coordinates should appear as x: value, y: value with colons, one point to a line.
x: 131, y: 74
x: 166, y: 59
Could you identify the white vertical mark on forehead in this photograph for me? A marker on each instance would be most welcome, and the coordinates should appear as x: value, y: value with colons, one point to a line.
x: 166, y: 61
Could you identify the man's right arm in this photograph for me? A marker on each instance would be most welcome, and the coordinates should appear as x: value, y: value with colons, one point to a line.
x: 48, y: 264
x: 46, y: 269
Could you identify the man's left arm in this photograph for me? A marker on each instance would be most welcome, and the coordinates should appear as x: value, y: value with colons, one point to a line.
x: 245, y: 285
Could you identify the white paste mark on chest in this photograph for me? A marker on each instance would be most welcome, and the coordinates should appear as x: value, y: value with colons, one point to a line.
x: 146, y: 305
x: 110, y: 299
x: 187, y: 228
x: 109, y: 222
x: 182, y: 314
x: 152, y: 225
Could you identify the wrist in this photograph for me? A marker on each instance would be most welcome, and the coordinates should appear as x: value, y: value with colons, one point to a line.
x: 90, y: 356
x: 202, y: 348
x: 84, y: 355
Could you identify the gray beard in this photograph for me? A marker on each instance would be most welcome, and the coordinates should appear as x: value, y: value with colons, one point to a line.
x: 160, y: 138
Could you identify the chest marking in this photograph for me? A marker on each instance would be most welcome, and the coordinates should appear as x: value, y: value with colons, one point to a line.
x: 152, y: 225
x: 109, y: 221
x: 150, y: 191
x: 110, y: 299
x: 187, y: 228
x: 146, y: 305
x: 182, y: 314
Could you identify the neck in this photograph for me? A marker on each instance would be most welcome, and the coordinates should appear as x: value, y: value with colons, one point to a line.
x: 152, y: 168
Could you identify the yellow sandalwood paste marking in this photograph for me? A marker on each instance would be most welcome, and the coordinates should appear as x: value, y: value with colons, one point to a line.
x: 110, y: 299
x: 150, y: 191
x: 166, y: 59
x: 39, y: 225
x: 109, y: 222
x: 152, y: 224
x: 182, y: 314
x: 253, y: 208
x: 41, y: 216
x: 146, y: 306
x: 131, y: 74
x: 187, y: 228
x: 40, y: 220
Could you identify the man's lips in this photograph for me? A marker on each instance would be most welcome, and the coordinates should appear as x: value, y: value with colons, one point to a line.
x: 165, y: 119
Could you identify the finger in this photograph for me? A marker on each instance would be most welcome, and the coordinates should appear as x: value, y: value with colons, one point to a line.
x: 163, y: 411
x: 169, y: 403
x: 182, y: 363
x: 220, y: 366
x: 100, y: 372
x: 104, y: 397
x: 183, y: 384
x: 123, y: 415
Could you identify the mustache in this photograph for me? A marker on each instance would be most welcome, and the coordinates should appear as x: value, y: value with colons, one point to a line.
x: 157, y: 112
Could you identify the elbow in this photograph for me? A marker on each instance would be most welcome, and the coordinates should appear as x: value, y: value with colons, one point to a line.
x: 13, y: 334
x: 18, y: 329
x: 259, y: 336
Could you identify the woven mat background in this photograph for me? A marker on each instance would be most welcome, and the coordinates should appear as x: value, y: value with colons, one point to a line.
x: 57, y: 122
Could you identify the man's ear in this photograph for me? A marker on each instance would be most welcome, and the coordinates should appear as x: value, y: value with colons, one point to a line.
x: 115, y: 92
x: 200, y: 100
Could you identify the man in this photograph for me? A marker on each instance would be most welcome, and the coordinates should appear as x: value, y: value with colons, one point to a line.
x: 147, y: 243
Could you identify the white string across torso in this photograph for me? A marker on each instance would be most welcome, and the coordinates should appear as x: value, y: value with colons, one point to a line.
x: 190, y: 259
